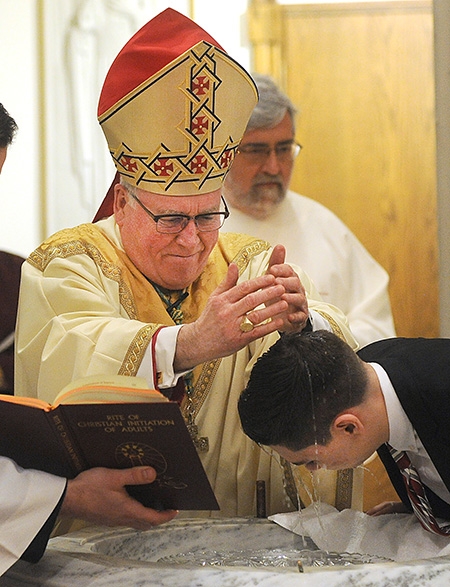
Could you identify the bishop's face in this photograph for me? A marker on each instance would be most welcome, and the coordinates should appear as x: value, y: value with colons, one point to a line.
x: 173, y: 261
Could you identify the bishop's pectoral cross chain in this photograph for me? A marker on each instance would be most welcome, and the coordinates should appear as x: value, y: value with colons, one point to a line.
x: 174, y: 310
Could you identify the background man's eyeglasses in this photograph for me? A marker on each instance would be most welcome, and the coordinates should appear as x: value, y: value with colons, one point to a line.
x: 285, y: 151
x: 174, y: 223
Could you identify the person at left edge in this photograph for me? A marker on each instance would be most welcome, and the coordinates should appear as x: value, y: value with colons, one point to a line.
x: 151, y: 289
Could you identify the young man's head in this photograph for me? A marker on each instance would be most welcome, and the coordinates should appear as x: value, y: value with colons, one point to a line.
x: 308, y: 398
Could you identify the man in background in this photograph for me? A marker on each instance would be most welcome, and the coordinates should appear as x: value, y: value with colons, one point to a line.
x: 31, y: 500
x: 257, y: 191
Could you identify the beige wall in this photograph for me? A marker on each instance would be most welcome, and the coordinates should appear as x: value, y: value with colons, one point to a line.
x: 369, y: 136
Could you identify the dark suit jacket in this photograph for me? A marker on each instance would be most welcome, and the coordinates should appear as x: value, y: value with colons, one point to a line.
x: 419, y: 370
x: 10, y: 268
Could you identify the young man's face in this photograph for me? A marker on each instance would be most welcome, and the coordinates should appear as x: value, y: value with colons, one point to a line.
x: 342, y: 452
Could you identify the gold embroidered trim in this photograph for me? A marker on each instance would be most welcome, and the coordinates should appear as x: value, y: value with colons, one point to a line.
x: 201, y: 389
x: 137, y: 347
x: 41, y: 257
x: 334, y: 325
x: 344, y: 488
x: 245, y: 255
x: 290, y: 485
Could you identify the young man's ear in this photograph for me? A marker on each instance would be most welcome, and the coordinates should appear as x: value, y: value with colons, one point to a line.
x: 347, y: 423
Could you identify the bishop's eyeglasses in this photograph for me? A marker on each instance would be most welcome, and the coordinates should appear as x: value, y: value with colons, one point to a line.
x: 258, y: 153
x: 174, y: 223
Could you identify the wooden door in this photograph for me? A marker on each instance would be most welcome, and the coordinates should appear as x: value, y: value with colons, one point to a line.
x: 362, y: 76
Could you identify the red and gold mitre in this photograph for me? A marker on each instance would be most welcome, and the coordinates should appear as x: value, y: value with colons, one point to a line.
x: 174, y: 107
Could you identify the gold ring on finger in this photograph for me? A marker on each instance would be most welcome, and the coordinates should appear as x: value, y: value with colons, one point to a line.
x: 246, y: 325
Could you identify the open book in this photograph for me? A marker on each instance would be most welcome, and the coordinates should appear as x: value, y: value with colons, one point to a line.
x: 116, y: 422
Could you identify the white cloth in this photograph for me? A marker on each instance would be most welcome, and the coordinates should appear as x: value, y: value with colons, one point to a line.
x: 28, y: 498
x: 398, y: 537
x: 343, y: 271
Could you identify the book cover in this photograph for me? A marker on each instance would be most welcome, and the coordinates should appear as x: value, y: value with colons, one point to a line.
x: 67, y: 438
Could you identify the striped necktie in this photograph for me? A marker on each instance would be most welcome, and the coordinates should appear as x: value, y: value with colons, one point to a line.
x: 416, y: 493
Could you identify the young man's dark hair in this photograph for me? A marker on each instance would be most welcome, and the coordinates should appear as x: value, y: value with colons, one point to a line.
x: 298, y: 387
x: 8, y: 128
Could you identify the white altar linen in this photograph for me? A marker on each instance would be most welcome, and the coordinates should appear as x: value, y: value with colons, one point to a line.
x: 398, y: 537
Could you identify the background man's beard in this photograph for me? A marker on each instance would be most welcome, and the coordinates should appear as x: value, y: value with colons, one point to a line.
x: 264, y: 198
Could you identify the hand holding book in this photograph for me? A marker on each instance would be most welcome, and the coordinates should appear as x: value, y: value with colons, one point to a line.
x: 115, y: 423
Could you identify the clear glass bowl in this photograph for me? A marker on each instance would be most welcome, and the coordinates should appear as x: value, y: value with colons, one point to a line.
x: 270, y: 558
